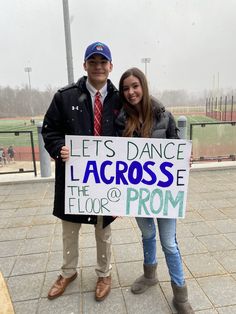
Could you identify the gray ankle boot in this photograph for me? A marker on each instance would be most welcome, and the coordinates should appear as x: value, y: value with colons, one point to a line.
x: 148, y: 279
x: 180, y: 299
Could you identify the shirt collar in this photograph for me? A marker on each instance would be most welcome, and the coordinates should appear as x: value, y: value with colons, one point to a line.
x: 93, y: 91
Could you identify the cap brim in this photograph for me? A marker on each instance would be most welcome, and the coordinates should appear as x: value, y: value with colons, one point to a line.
x: 97, y: 53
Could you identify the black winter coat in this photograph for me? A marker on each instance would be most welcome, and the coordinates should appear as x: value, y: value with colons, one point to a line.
x: 71, y: 113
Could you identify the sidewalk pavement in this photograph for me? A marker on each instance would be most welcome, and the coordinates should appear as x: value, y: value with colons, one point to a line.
x: 31, y: 251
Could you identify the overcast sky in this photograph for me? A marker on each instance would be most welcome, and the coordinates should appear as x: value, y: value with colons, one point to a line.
x: 189, y: 41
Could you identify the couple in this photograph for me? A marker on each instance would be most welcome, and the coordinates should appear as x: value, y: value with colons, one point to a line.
x: 72, y: 112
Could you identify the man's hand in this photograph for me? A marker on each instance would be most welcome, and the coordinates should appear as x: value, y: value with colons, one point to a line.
x: 65, y: 153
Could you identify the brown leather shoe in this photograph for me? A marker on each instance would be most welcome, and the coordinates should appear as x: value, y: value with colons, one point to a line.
x: 103, y: 288
x: 60, y: 286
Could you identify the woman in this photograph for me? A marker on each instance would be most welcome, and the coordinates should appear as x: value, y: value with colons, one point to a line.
x: 143, y: 116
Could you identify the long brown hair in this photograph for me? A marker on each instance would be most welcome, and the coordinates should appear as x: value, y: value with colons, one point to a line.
x: 133, y: 123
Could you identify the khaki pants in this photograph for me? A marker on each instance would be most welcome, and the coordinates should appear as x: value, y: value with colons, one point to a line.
x: 70, y: 233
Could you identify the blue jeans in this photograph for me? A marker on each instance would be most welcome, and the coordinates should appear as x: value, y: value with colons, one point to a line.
x: 167, y: 233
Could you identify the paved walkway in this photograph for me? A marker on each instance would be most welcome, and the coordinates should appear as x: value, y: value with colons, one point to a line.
x: 31, y: 252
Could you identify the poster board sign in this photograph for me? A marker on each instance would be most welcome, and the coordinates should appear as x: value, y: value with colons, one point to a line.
x: 119, y: 176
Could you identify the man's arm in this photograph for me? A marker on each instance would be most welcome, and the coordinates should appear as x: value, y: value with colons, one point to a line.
x: 53, y: 127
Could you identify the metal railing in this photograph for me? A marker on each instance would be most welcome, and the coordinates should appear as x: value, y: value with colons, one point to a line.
x: 213, y: 141
x: 23, y: 154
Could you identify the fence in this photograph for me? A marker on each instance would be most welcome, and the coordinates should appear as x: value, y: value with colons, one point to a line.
x: 221, y: 108
x: 187, y: 110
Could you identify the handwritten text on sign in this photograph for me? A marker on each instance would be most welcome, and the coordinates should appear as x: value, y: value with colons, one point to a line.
x: 127, y: 176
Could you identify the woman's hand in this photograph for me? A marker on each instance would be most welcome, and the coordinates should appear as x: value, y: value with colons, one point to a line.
x: 65, y: 153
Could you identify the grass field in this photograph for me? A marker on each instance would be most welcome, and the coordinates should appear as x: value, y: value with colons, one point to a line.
x: 9, y: 125
x: 212, y: 140
x: 196, y: 119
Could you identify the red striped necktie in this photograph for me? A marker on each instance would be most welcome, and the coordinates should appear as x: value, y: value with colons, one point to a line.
x: 97, y: 114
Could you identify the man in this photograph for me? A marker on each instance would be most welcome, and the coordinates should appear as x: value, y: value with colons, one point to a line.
x: 74, y: 111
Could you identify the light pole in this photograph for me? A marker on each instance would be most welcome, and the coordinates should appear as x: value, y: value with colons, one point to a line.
x: 146, y: 61
x: 69, y: 58
x: 28, y: 70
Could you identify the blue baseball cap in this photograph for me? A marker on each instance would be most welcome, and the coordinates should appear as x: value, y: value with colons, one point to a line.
x: 97, y: 48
